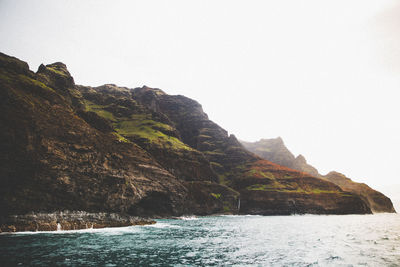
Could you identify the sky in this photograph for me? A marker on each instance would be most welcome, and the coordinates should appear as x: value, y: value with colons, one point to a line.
x: 323, y: 75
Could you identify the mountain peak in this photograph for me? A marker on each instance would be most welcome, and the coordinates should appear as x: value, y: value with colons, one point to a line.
x: 13, y: 64
x: 58, y: 68
x: 56, y: 75
x: 301, y: 158
x: 278, y: 140
x: 336, y: 174
x: 146, y: 89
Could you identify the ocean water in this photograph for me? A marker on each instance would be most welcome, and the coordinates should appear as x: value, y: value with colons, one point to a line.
x: 308, y: 240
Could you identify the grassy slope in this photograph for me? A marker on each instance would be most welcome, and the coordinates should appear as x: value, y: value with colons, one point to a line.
x: 141, y: 126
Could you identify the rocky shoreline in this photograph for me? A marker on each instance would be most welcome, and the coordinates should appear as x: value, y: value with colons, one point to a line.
x: 68, y: 220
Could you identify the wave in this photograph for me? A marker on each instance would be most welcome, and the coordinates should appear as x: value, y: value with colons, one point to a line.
x: 162, y: 225
x: 188, y: 218
x: 106, y: 230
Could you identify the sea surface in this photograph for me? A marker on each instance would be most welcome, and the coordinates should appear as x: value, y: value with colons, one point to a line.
x: 307, y: 240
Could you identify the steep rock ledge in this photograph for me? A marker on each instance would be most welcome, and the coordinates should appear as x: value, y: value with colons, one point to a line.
x: 67, y: 220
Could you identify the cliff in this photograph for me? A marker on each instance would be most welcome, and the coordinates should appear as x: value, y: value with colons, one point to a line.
x: 137, y: 152
x: 54, y: 160
x: 276, y: 151
x: 264, y: 188
x: 377, y: 201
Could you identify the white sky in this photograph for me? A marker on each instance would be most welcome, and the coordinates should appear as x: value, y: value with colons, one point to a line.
x: 323, y: 75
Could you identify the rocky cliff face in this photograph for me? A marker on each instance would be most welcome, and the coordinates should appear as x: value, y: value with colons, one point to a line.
x: 54, y: 160
x: 69, y: 147
x: 276, y: 151
x: 138, y: 152
x: 153, y: 131
x: 264, y: 187
x: 58, y: 221
x: 377, y: 201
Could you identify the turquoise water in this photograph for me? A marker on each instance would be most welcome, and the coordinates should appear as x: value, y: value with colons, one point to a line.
x: 309, y: 240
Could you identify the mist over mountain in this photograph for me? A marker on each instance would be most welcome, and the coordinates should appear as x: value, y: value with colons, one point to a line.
x: 276, y: 151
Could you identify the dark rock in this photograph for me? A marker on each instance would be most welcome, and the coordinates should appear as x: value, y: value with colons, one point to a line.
x: 150, y: 129
x: 286, y: 203
x: 211, y: 198
x: 14, y: 65
x: 53, y: 160
x: 67, y: 220
x: 96, y: 121
x: 377, y: 201
x: 56, y: 75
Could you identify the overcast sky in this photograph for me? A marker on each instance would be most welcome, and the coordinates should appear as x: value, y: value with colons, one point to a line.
x: 323, y: 75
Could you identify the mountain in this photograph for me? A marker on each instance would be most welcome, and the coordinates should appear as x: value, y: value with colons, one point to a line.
x: 265, y: 188
x: 392, y: 190
x: 136, y: 152
x: 377, y: 201
x: 276, y: 151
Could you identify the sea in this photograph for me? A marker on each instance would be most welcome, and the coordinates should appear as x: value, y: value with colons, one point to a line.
x: 298, y: 240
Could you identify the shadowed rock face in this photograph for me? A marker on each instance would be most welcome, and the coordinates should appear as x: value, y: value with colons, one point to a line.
x: 377, y: 201
x: 54, y: 160
x: 151, y: 130
x: 138, y: 152
x: 222, y: 150
x: 285, y: 203
x: 206, y: 197
x: 67, y: 221
x: 276, y: 151
x: 69, y: 147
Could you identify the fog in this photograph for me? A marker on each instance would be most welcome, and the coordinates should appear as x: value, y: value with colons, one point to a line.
x: 323, y: 75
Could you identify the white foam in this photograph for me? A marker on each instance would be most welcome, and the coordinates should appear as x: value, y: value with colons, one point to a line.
x: 107, y: 231
x: 188, y: 218
x: 162, y: 225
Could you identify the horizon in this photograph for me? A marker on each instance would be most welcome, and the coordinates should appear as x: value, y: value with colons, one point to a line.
x: 329, y: 89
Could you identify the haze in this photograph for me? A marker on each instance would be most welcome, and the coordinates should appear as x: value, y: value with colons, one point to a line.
x: 323, y: 75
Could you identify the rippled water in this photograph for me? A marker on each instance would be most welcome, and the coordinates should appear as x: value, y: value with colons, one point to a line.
x: 309, y: 240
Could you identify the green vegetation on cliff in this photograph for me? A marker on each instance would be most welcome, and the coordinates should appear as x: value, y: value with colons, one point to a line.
x: 292, y: 188
x: 99, y: 109
x: 140, y: 126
